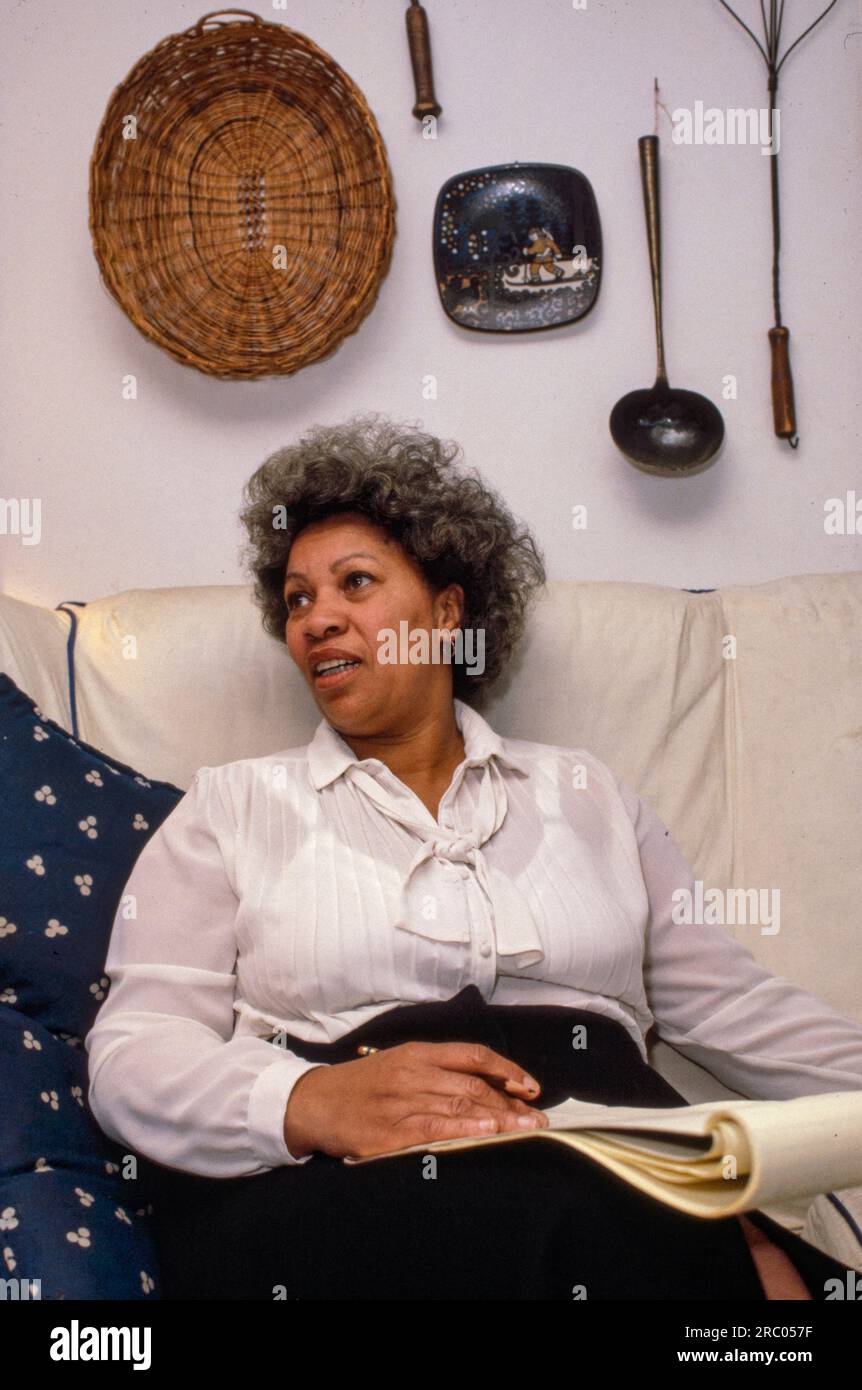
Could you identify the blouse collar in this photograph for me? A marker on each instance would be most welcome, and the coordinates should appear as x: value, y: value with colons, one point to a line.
x: 329, y: 755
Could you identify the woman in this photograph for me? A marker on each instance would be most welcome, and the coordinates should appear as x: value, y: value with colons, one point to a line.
x: 412, y: 920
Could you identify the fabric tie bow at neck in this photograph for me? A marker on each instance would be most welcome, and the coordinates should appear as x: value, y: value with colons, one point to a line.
x: 514, y: 929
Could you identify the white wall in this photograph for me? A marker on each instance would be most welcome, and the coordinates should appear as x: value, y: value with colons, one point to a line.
x: 145, y: 493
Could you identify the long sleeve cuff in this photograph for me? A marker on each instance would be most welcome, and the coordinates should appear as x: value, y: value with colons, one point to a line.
x: 267, y: 1103
x: 174, y: 1091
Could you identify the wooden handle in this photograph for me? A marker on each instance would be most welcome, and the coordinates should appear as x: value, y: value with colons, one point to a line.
x: 783, y: 407
x: 419, y: 40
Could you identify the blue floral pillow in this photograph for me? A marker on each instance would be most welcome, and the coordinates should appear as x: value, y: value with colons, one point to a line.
x: 72, y: 823
x: 73, y: 1213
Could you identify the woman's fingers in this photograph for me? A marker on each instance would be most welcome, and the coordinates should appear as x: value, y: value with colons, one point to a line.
x: 465, y: 1093
x: 460, y: 1081
x: 477, y: 1059
x: 434, y: 1125
x: 462, y: 1104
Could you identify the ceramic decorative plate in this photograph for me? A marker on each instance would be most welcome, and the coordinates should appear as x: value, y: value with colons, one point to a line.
x: 517, y: 247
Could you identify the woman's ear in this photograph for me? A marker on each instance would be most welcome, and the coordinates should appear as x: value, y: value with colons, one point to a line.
x: 450, y: 607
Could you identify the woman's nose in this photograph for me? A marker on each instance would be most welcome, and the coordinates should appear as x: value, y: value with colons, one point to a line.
x: 323, y: 617
x: 316, y: 629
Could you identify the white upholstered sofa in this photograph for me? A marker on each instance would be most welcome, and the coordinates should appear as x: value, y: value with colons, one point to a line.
x: 737, y: 712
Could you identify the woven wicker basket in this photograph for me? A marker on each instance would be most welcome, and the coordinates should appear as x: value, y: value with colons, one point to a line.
x: 248, y: 224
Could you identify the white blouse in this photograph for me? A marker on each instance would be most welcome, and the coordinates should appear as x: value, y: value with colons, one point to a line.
x: 309, y: 890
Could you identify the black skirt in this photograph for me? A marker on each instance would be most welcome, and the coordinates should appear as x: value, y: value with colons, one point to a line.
x: 511, y: 1221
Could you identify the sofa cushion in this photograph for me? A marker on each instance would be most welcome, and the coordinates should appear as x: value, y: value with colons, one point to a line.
x: 73, y: 1213
x: 737, y: 715
x: 206, y: 686
x: 35, y: 647
x: 834, y: 1224
x: 72, y: 823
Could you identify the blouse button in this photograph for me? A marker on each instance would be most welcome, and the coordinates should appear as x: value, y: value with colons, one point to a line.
x: 485, y: 948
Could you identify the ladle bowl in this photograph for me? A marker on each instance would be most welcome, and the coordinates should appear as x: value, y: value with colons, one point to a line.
x: 663, y: 430
x: 667, y: 431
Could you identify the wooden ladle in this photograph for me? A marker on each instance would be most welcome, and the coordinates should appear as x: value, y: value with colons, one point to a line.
x: 663, y: 430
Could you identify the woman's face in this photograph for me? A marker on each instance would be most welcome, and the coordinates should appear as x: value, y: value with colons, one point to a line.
x: 347, y: 583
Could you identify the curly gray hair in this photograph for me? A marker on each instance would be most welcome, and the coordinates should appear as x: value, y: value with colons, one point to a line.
x: 402, y: 479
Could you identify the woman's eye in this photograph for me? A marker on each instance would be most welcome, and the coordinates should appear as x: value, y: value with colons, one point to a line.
x: 290, y: 600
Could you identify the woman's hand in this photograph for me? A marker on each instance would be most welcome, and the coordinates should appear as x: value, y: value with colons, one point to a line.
x: 414, y: 1093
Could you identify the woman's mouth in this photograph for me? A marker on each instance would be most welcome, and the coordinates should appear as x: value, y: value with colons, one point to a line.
x: 336, y: 675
